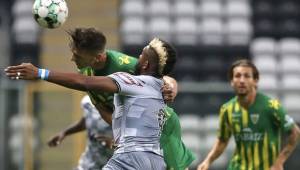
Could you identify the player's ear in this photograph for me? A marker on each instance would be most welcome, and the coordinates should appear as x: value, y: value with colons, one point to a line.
x: 231, y: 83
x: 145, y: 65
x: 101, y: 57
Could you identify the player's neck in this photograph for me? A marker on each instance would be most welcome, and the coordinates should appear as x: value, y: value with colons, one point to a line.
x: 247, y: 100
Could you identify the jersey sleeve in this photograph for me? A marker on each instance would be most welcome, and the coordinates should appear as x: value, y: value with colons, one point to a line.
x: 128, y: 84
x: 284, y: 121
x: 224, y: 131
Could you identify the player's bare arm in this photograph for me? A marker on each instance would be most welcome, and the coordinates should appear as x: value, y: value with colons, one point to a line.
x: 76, y: 81
x: 292, y: 142
x: 215, y: 152
x: 78, y: 126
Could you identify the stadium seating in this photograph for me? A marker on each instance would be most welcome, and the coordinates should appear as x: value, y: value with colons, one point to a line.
x: 263, y: 46
x: 158, y: 8
x: 289, y: 46
x: 186, y: 31
x: 209, y: 35
x: 266, y: 63
x: 211, y: 32
x: 160, y: 27
x: 238, y: 31
x: 132, y: 8
x: 210, y: 9
x: 289, y: 64
x: 185, y: 8
x: 237, y: 9
x: 133, y: 30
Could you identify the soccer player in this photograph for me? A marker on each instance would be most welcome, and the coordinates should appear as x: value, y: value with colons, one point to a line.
x: 256, y: 122
x: 99, y: 137
x: 138, y: 116
x: 92, y: 59
x: 123, y: 84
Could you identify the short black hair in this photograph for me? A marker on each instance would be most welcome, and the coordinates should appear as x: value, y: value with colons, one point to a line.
x: 87, y: 39
x: 245, y: 63
x: 171, y: 58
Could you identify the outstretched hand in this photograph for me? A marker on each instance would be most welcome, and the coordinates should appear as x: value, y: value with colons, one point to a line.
x: 25, y: 71
x: 203, y: 166
x: 56, y: 140
x: 169, y: 89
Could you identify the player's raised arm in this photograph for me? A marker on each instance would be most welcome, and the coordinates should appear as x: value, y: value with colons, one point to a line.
x: 27, y: 71
x: 78, y: 126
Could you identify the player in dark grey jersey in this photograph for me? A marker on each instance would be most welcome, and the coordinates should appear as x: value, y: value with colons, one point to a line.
x: 138, y: 103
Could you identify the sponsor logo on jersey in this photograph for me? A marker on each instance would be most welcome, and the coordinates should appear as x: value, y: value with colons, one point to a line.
x: 248, y: 135
x: 236, y: 117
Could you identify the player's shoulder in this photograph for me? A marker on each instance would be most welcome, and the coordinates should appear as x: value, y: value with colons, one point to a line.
x: 229, y: 103
x: 117, y: 54
x: 268, y: 102
x: 150, y: 80
x: 265, y: 99
x: 126, y: 78
x: 122, y: 74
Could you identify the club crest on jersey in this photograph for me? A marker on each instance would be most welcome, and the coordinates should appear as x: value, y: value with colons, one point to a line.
x: 254, y: 118
x: 124, y: 60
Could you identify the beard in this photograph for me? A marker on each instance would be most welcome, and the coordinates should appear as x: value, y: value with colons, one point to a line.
x: 243, y: 92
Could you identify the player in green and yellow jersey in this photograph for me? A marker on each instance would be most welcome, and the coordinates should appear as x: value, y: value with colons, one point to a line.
x: 92, y: 59
x: 256, y: 122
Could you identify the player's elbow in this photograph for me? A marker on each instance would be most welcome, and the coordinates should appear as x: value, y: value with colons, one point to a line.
x: 297, y: 131
x: 294, y: 136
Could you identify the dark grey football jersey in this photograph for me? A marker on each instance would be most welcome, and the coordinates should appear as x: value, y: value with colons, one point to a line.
x: 137, y: 115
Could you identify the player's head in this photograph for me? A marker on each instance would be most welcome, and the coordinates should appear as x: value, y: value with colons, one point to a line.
x: 157, y: 58
x: 88, y: 47
x: 243, y: 76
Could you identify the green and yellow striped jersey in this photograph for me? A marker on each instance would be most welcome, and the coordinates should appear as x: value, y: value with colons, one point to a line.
x: 116, y: 62
x: 256, y: 130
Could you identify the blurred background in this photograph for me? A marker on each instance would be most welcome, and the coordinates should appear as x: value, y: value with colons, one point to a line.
x: 208, y: 35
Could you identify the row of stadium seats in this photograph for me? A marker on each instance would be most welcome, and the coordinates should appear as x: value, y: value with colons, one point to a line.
x: 25, y: 31
x: 276, y: 18
x: 205, y: 32
x: 191, y: 8
x: 187, y: 30
x: 276, y: 10
x: 279, y: 64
